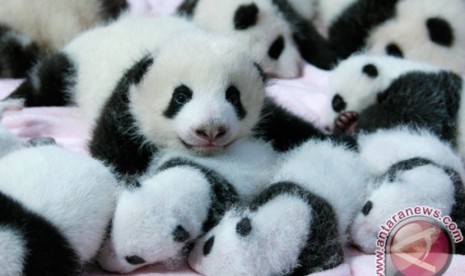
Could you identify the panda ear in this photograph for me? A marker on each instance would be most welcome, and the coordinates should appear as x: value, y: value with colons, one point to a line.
x: 246, y: 16
x: 440, y: 31
x: 135, y: 74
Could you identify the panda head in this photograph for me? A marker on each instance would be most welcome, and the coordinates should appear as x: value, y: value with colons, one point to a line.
x: 259, y: 26
x: 427, y: 31
x: 155, y: 222
x: 391, y: 196
x: 202, y: 93
x: 359, y: 82
x: 265, y: 242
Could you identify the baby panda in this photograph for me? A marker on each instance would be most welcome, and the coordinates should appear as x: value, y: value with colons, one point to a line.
x: 259, y: 25
x: 54, y: 217
x: 429, y: 31
x: 413, y: 168
x: 181, y: 198
x: 371, y: 92
x: 297, y: 226
x: 31, y: 30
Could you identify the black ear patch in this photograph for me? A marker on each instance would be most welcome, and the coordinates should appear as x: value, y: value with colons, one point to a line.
x: 187, y: 8
x: 233, y: 96
x: 180, y: 234
x: 440, y: 31
x: 370, y: 70
x: 207, y: 247
x: 277, y: 48
x: 338, y: 103
x: 394, y: 50
x: 244, y: 227
x: 367, y: 208
x: 181, y: 95
x: 246, y: 16
x: 138, y: 70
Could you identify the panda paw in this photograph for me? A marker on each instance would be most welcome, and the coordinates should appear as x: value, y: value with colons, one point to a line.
x: 346, y: 122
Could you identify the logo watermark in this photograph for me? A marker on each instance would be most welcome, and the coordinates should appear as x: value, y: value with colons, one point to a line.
x: 416, y: 241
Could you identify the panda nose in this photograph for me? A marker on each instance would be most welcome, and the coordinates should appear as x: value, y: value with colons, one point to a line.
x: 211, y: 133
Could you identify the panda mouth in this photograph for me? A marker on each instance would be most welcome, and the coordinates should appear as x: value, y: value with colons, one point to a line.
x: 205, y: 149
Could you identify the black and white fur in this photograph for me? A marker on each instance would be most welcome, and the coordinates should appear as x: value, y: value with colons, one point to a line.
x: 387, y: 92
x: 429, y: 31
x: 55, y: 216
x: 30, y: 30
x: 295, y: 227
x: 258, y: 25
x: 412, y: 168
x: 181, y: 198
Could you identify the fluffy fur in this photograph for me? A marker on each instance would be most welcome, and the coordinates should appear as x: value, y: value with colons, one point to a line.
x: 296, y: 226
x: 258, y: 25
x: 32, y: 29
x: 434, y: 179
x: 179, y: 200
x: 67, y: 222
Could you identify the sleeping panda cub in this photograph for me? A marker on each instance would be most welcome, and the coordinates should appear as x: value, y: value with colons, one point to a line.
x: 55, y: 216
x: 258, y: 25
x: 369, y: 93
x: 297, y: 226
x: 413, y: 168
x: 31, y: 29
x: 180, y: 199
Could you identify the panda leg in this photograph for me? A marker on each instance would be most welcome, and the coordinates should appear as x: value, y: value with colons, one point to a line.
x: 18, y: 53
x: 48, y: 84
x: 346, y: 122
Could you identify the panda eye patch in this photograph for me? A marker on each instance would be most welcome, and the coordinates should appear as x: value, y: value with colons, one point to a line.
x: 276, y: 48
x: 370, y: 70
x: 338, y: 103
x: 367, y: 208
x: 394, y: 50
x: 181, y: 95
x: 244, y: 227
x: 233, y: 96
x: 134, y: 260
x: 440, y: 31
x: 180, y: 234
x: 207, y: 247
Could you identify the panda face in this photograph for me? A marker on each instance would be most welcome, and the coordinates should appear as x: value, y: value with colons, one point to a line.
x: 359, y: 82
x: 154, y: 223
x: 259, y: 27
x: 426, y: 31
x: 266, y: 242
x: 202, y: 93
x: 407, y: 190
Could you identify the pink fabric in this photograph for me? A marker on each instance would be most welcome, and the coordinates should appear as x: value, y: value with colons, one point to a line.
x: 305, y: 96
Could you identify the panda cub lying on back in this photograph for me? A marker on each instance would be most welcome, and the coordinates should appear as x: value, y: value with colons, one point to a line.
x: 30, y: 30
x: 383, y: 92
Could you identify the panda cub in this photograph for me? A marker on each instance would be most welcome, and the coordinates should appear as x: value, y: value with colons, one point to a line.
x: 297, y: 226
x: 259, y: 25
x: 371, y: 92
x: 53, y: 218
x: 30, y: 30
x: 181, y: 198
x: 413, y: 168
x: 424, y: 30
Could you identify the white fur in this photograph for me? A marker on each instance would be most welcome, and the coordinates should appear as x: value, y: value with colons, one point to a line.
x: 13, y: 245
x: 423, y: 186
x: 8, y: 142
x: 51, y: 23
x: 75, y: 193
x: 218, y: 16
x: 359, y: 90
x: 279, y: 231
x: 408, y: 30
x: 305, y: 8
x: 179, y: 196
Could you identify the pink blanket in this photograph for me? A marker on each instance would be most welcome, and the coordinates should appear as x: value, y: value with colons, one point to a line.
x: 305, y: 96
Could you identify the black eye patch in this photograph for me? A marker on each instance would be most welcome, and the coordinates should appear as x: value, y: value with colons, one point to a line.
x: 180, y: 234
x: 233, y: 95
x: 246, y: 16
x: 440, y: 31
x: 277, y: 48
x: 394, y: 50
x: 134, y: 260
x: 370, y: 70
x: 181, y: 95
x: 244, y: 227
x: 207, y: 247
x: 338, y: 103
x: 367, y: 208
